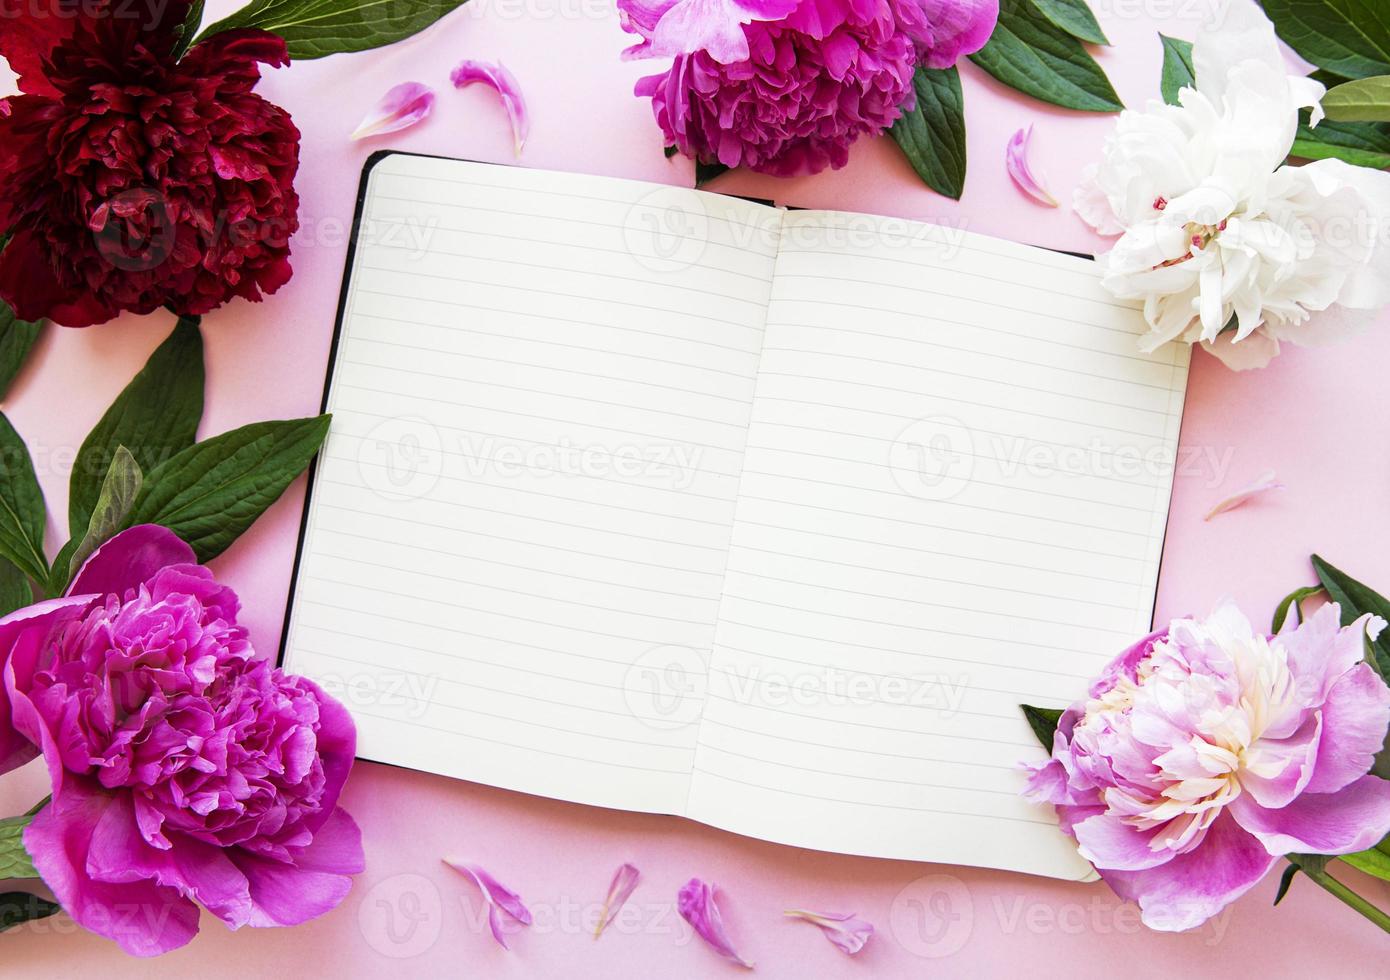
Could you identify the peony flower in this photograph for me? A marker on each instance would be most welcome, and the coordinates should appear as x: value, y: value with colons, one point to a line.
x: 1206, y: 751
x: 131, y: 182
x: 183, y: 768
x: 1223, y: 244
x: 785, y: 86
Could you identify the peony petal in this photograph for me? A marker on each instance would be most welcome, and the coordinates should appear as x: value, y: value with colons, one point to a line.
x: 1352, y: 819
x: 1264, y: 483
x: 144, y: 918
x: 944, y: 31
x: 400, y: 108
x: 696, y: 904
x: 1016, y: 162
x: 624, y: 881
x: 130, y: 558
x: 1253, y: 352
x: 848, y: 933
x: 314, y: 883
x: 680, y: 27
x: 497, y: 896
x: 1193, y: 887
x: 1355, y: 717
x: 497, y: 76
x: 21, y: 634
x: 1110, y: 843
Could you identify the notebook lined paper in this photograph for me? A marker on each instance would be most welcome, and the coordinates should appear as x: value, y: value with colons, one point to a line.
x: 659, y: 500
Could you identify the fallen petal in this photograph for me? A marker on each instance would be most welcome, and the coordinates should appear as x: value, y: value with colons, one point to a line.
x: 497, y: 76
x: 400, y: 108
x: 696, y: 904
x: 841, y: 928
x: 1016, y: 161
x: 497, y: 896
x: 624, y: 881
x: 1264, y: 484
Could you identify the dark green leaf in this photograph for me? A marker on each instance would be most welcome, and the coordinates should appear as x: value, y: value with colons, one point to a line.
x: 317, y: 28
x: 932, y: 135
x: 1356, y: 143
x: 1364, y: 100
x: 17, y: 908
x: 1029, y: 53
x: 1293, y: 600
x: 1177, y: 68
x: 705, y: 172
x: 155, y: 417
x: 62, y: 566
x: 14, y: 859
x: 1043, y: 721
x: 1074, y: 17
x: 188, y: 30
x: 1375, y: 861
x: 17, y: 338
x: 211, y: 492
x: 1285, y: 882
x: 1356, y: 600
x: 22, y: 514
x: 15, y: 591
x: 1349, y: 37
x: 114, y: 504
x: 671, y: 151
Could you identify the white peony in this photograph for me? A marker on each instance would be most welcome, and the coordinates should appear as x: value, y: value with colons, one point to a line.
x: 1213, y: 226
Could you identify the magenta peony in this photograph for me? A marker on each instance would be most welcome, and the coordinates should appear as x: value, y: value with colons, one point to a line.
x: 1207, y: 751
x: 183, y: 768
x: 785, y: 86
x: 130, y: 181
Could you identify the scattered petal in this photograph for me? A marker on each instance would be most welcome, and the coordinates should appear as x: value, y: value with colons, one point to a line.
x: 696, y: 904
x: 1016, y: 161
x: 497, y: 896
x: 1265, y: 483
x: 497, y: 76
x: 624, y: 881
x: 841, y: 928
x: 400, y: 108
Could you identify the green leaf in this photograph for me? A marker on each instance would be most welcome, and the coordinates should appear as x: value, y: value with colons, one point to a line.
x: 212, y: 492
x: 188, y: 30
x: 15, y: 591
x: 155, y: 417
x: 1177, y: 68
x: 705, y: 172
x: 1364, y: 100
x: 1374, y: 862
x: 22, y: 513
x: 1356, y: 600
x: 1293, y: 600
x: 14, y: 859
x: 932, y: 135
x: 1285, y: 882
x: 1360, y: 144
x: 317, y: 28
x: 1074, y: 17
x: 17, y: 908
x: 1029, y: 53
x: 671, y: 151
x: 1348, y: 37
x: 114, y: 504
x: 17, y: 338
x: 1043, y: 721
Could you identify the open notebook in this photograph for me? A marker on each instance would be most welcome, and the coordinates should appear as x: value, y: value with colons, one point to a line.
x: 661, y: 500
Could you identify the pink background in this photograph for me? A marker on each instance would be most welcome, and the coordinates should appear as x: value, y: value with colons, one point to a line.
x: 1317, y: 417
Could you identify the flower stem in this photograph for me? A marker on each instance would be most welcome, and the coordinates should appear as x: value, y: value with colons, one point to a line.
x: 1341, y: 891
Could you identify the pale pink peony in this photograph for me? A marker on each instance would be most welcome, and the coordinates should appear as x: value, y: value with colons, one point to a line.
x: 1206, y: 751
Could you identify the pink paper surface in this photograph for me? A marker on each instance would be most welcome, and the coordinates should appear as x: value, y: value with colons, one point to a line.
x: 1317, y: 417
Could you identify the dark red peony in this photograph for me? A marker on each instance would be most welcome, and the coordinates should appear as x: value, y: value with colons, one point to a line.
x: 131, y: 179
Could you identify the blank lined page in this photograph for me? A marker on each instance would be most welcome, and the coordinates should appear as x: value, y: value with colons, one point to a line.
x: 517, y: 534
x: 953, y: 500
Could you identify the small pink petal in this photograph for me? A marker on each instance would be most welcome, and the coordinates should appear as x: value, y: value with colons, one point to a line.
x: 841, y: 928
x: 497, y: 76
x: 400, y: 108
x: 1264, y: 484
x: 497, y: 896
x: 624, y: 881
x: 1016, y: 161
x: 696, y: 904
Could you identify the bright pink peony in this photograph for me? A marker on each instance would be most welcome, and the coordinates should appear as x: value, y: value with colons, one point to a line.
x: 184, y: 768
x: 1207, y: 751
x: 785, y: 86
x: 130, y: 181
